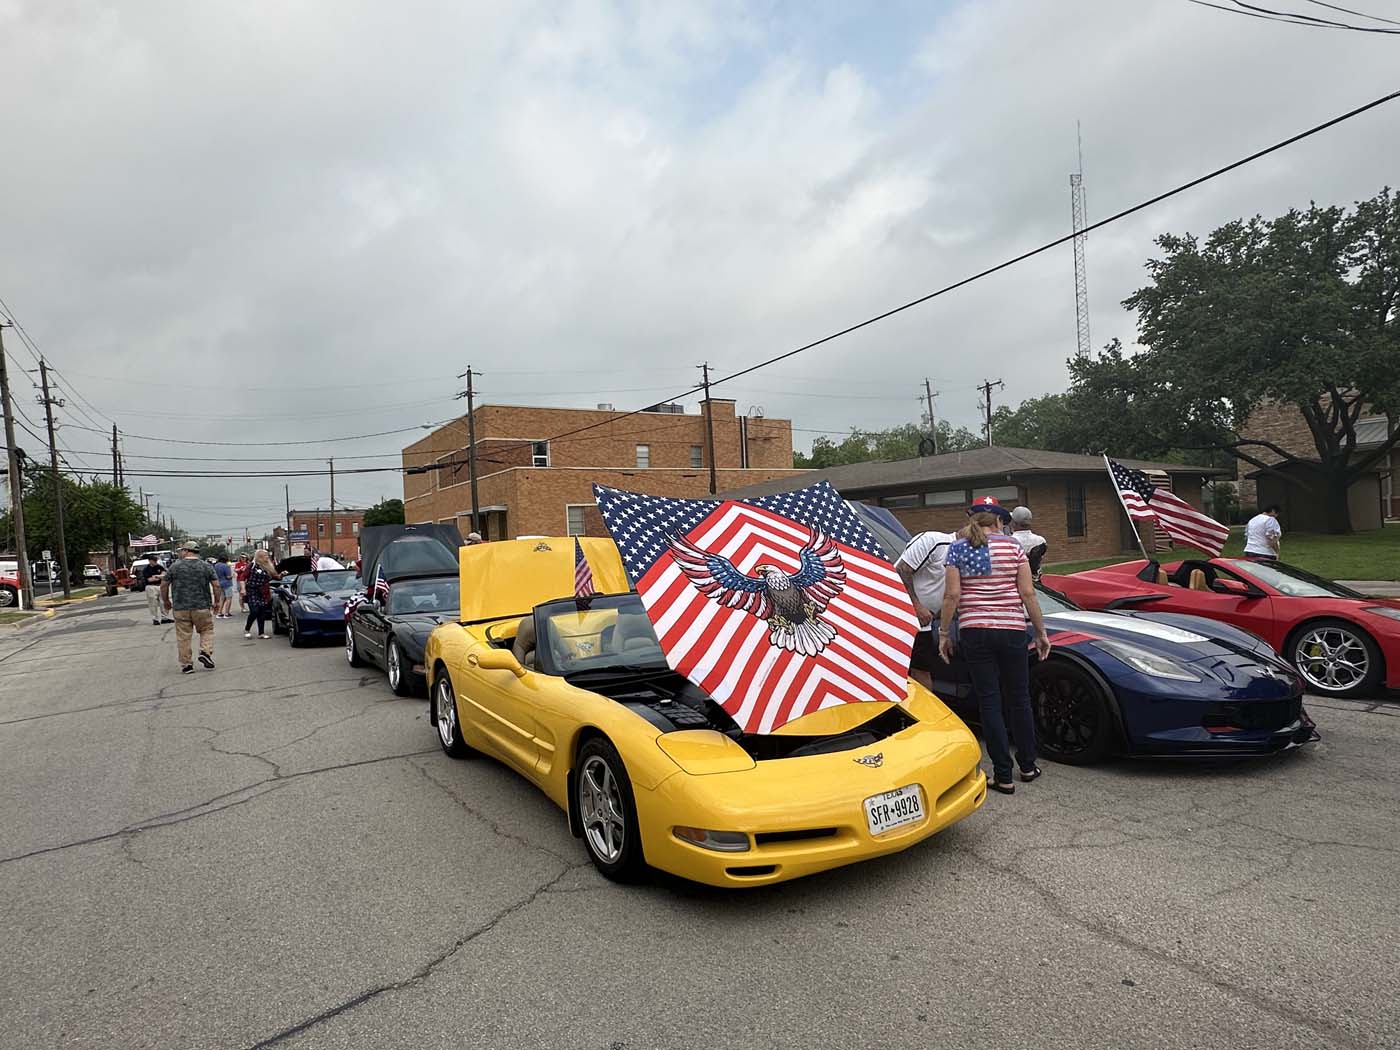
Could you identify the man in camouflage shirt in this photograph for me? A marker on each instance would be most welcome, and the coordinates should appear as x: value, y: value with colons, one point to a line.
x: 190, y: 591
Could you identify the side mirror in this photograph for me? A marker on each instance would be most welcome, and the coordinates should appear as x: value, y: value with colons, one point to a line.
x: 1238, y: 588
x: 497, y: 660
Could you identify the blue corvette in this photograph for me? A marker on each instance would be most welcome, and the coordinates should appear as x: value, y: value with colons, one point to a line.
x: 1141, y: 683
x: 312, y: 605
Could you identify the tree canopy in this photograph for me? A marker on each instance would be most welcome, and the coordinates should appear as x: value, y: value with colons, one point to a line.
x: 93, y: 513
x: 389, y: 512
x: 900, y: 442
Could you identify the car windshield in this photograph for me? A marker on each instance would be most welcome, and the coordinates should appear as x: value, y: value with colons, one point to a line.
x: 424, y: 596
x: 1290, y: 580
x: 612, y: 634
x: 324, y: 582
x: 1051, y: 602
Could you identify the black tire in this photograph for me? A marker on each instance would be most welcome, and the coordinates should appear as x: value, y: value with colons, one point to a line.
x: 447, y: 719
x: 624, y: 862
x: 1303, y: 651
x: 1074, y: 721
x: 9, y: 597
x: 293, y: 635
x: 352, y: 648
x: 399, y: 670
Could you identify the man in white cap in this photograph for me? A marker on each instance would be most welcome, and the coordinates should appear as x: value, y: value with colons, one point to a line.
x: 1033, y: 544
x: 473, y: 538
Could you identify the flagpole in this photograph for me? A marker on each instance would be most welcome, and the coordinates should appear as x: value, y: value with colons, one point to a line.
x: 1131, y: 523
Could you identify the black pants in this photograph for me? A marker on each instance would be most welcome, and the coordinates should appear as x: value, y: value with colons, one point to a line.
x: 259, y: 614
x: 999, y: 666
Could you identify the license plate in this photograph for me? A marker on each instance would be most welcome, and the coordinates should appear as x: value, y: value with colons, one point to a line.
x: 894, y: 809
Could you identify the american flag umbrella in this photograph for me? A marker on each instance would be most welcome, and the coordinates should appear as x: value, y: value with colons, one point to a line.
x: 776, y: 606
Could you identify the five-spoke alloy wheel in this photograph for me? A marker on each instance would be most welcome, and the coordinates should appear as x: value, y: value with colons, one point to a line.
x: 400, y: 677
x: 449, y: 728
x: 606, y: 812
x: 352, y: 651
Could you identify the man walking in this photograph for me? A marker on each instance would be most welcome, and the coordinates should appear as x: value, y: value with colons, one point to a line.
x: 153, y: 572
x: 921, y: 568
x: 191, y: 590
x: 1262, y: 535
x: 1031, y: 542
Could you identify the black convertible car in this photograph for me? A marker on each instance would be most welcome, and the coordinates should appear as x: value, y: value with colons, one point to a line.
x: 392, y: 633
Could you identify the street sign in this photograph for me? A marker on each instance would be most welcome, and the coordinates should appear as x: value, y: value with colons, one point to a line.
x: 299, y: 535
x: 48, y: 555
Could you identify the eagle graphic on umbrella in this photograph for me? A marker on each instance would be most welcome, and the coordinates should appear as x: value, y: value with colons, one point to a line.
x: 791, y: 603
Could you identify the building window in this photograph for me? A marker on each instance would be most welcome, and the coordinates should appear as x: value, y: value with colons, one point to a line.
x: 1002, y: 493
x: 354, y: 528
x: 913, y: 499
x: 575, y: 524
x: 1075, y: 522
x: 539, y: 454
x: 320, y: 528
x: 643, y: 455
x: 945, y: 498
x: 697, y: 456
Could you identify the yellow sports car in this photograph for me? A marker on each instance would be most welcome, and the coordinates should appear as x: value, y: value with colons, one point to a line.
x: 649, y: 769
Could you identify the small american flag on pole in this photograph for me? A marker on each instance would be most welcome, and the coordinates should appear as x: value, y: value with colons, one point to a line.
x: 583, y: 577
x: 381, y: 586
x: 1170, y: 515
x: 776, y: 606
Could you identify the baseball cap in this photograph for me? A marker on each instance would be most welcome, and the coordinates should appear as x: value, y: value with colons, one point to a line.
x: 189, y: 545
x: 1021, y: 515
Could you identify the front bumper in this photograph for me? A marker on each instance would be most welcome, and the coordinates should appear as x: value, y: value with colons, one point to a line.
x: 806, y: 815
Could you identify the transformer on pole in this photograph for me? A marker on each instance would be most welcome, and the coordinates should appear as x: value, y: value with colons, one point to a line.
x: 1081, y: 280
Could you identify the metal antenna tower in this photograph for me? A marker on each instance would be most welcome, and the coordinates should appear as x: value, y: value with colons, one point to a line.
x: 1081, y: 279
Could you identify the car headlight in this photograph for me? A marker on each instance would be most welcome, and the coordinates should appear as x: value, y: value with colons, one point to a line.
x: 1383, y: 610
x: 720, y: 841
x: 1148, y: 663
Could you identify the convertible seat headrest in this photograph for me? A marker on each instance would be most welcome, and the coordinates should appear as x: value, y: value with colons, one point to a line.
x: 1198, y: 580
x: 523, y: 647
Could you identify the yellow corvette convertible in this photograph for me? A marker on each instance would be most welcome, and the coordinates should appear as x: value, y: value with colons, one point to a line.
x: 649, y: 769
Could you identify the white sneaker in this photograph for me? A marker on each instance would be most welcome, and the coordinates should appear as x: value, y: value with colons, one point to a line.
x: 247, y: 634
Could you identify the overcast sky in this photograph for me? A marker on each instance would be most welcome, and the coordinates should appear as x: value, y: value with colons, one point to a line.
x: 279, y: 221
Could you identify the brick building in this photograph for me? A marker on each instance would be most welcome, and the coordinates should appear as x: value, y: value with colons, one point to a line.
x: 537, y: 466
x: 1371, y: 499
x: 337, y: 535
x: 1075, y: 505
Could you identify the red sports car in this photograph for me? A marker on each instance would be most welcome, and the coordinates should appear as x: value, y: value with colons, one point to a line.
x: 1343, y: 643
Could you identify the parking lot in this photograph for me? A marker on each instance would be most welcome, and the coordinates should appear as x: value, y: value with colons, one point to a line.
x: 276, y: 853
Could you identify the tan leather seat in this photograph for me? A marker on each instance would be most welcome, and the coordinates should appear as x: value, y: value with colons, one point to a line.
x: 1198, y: 580
x: 524, y: 645
x: 1163, y: 579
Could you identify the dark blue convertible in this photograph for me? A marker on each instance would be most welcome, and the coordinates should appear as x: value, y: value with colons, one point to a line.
x: 1141, y: 683
x: 312, y: 605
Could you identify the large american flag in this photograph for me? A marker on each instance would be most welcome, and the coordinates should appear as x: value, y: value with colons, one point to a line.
x: 719, y: 581
x: 1169, y: 513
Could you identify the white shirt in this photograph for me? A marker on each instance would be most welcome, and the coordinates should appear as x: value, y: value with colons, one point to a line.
x: 925, y: 555
x: 1028, y: 540
x: 323, y: 563
x: 1257, y: 533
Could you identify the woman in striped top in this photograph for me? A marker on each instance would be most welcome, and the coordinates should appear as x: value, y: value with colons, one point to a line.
x: 988, y: 582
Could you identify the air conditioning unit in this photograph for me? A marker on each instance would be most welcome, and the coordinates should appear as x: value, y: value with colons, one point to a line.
x: 604, y: 406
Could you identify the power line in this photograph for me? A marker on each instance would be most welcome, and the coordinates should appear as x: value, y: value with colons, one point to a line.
x: 1358, y: 14
x: 268, y: 444
x: 1297, y: 18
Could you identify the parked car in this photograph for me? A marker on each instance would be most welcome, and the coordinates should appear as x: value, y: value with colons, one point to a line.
x: 92, y: 572
x: 1342, y: 642
x: 9, y: 591
x: 392, y: 633
x: 312, y: 605
x: 652, y: 772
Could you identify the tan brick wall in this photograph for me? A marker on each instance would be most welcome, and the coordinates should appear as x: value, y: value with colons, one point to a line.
x: 537, y: 497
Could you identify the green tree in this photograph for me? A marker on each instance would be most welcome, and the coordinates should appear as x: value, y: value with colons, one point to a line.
x: 1302, y: 310
x: 93, y: 514
x: 901, y: 442
x: 390, y: 512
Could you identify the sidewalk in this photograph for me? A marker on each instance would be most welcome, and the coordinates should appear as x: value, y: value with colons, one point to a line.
x: 1374, y: 588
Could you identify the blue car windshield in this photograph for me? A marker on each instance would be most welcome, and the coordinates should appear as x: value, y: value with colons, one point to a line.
x: 325, y: 582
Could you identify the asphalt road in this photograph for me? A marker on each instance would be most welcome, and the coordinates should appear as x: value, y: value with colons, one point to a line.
x: 276, y: 853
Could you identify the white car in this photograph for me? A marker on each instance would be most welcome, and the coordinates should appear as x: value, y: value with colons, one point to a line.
x: 92, y: 572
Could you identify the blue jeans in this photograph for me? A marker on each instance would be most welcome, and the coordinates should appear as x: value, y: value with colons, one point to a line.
x: 999, y: 667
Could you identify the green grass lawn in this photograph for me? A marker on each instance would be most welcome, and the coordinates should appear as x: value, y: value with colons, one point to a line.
x: 41, y: 596
x: 1373, y: 555
x: 14, y: 616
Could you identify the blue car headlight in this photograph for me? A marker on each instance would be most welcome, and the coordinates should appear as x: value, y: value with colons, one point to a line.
x: 1147, y: 662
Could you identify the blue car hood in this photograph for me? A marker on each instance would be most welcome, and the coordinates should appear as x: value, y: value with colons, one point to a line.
x: 1185, y: 639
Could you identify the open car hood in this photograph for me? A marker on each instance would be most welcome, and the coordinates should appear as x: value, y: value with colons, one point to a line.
x: 510, y: 577
x: 375, y: 538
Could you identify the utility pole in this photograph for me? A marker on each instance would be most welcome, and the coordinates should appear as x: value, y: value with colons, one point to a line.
x: 470, y: 394
x: 929, y: 395
x: 332, y: 508
x: 986, y: 389
x: 116, y: 482
x: 16, y: 479
x: 709, y: 425
x: 49, y: 402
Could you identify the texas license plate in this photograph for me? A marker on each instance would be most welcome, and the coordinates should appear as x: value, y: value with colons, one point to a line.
x: 894, y: 809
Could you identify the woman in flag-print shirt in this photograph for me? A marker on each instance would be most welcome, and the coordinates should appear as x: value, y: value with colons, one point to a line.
x: 988, y: 582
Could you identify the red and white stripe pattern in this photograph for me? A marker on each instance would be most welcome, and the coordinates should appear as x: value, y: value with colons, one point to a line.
x: 989, y: 598
x: 727, y: 651
x: 1168, y: 512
